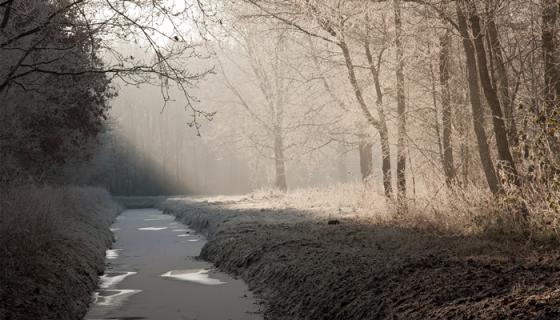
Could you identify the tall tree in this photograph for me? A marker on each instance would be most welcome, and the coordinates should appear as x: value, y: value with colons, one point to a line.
x: 476, y: 103
x: 375, y: 70
x: 550, y: 12
x: 401, y: 108
x: 499, y: 125
x: 444, y: 64
x: 339, y: 31
x: 502, y: 82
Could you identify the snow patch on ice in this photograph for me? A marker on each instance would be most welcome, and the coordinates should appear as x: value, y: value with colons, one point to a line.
x: 152, y: 228
x: 200, y: 276
x: 112, y: 254
x: 113, y: 297
x: 111, y: 279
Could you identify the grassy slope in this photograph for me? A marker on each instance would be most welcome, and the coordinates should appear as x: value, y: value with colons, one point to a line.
x: 363, y: 270
x: 53, y: 243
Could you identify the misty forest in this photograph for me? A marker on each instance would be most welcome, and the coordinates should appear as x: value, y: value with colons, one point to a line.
x: 279, y: 159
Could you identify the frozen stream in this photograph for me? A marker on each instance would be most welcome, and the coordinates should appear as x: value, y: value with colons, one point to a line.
x: 152, y: 274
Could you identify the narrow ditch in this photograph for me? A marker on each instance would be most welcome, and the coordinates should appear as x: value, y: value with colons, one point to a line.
x: 153, y: 273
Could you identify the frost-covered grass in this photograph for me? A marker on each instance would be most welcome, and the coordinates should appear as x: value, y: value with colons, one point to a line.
x: 345, y: 198
x: 527, y: 215
x: 52, y: 248
x: 433, y: 262
x: 530, y: 214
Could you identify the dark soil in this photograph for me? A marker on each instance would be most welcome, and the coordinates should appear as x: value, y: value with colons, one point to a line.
x: 358, y: 270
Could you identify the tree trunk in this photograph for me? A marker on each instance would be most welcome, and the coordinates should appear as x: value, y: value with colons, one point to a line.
x: 279, y: 161
x: 504, y: 152
x: 477, y: 111
x: 551, y: 69
x: 380, y: 124
x: 444, y: 56
x: 366, y: 158
x: 436, y: 113
x: 382, y: 128
x: 502, y: 80
x: 354, y: 83
x: 386, y: 161
x: 465, y: 163
x: 342, y: 169
x: 401, y: 110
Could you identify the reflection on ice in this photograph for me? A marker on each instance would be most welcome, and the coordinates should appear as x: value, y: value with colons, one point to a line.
x: 179, y: 230
x: 153, y: 228
x: 197, y: 276
x: 183, y: 235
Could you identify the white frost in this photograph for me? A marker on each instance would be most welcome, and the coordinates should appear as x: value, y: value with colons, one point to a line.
x: 116, y: 298
x: 112, y: 254
x: 110, y: 280
x: 153, y: 228
x: 197, y: 276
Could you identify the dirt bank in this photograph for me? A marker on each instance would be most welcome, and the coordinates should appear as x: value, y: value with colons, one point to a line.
x: 307, y: 269
x: 53, y: 243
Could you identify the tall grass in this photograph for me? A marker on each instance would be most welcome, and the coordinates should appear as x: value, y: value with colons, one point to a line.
x: 347, y: 197
x: 527, y: 214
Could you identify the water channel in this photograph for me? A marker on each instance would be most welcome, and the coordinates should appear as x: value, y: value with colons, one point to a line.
x: 152, y: 273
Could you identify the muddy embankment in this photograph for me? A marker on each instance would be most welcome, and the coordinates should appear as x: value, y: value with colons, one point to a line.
x: 53, y: 243
x: 307, y: 269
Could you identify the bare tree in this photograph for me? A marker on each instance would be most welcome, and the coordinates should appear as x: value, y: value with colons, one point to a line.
x: 476, y: 103
x: 274, y: 99
x: 551, y: 52
x: 401, y: 108
x: 101, y: 25
x: 447, y: 111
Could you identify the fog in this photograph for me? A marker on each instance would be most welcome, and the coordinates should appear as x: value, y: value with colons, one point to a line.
x: 344, y: 159
x: 150, y: 149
